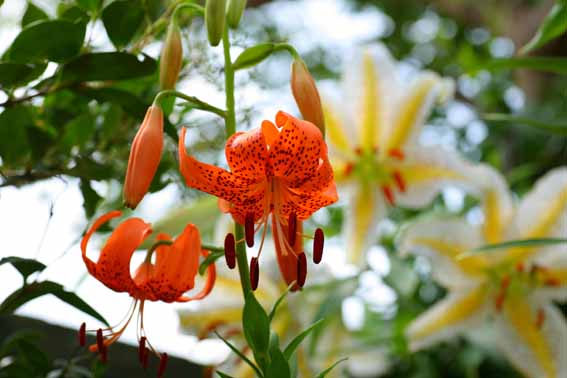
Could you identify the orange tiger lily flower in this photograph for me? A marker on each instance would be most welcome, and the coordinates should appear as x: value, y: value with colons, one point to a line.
x: 145, y: 155
x: 279, y: 169
x: 165, y: 279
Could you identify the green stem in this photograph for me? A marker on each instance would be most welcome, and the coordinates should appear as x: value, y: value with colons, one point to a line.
x: 201, y: 105
x: 230, y: 122
x: 195, y: 7
x: 212, y: 248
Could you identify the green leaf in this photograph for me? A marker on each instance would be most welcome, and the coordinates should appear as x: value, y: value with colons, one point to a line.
x: 547, y: 64
x: 256, y: 324
x: 552, y: 127
x: 78, y: 131
x: 24, y: 266
x: 278, y: 367
x: 107, y: 66
x: 14, y: 145
x: 278, y: 302
x: 89, y: 5
x: 38, y: 289
x: 33, y: 13
x: 72, y: 13
x: 293, y: 344
x: 554, y: 24
x: 324, y: 373
x: 253, y: 55
x: 211, y: 258
x: 121, y: 20
x: 13, y: 74
x: 55, y: 40
x: 240, y: 354
x: 91, y: 199
x: 524, y: 243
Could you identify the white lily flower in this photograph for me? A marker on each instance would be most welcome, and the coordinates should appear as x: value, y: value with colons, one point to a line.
x: 514, y: 287
x: 372, y: 133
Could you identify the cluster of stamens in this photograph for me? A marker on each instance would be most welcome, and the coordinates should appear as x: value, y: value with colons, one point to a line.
x: 107, y: 336
x: 289, y: 240
x: 536, y: 276
x: 394, y: 177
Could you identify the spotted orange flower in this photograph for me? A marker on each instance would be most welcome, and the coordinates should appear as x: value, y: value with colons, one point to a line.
x: 165, y: 278
x: 279, y: 170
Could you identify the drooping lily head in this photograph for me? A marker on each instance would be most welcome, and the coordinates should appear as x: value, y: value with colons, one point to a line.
x: 279, y: 169
x: 165, y: 277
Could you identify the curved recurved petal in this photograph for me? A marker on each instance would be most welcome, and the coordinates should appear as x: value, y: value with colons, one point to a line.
x: 246, y: 154
x: 537, y: 350
x: 443, y: 241
x: 294, y: 155
x: 365, y: 209
x: 91, y: 266
x: 209, y: 282
x: 113, y: 265
x: 243, y: 193
x: 542, y: 213
x: 176, y: 265
x: 427, y: 170
x: 458, y: 312
x: 414, y: 107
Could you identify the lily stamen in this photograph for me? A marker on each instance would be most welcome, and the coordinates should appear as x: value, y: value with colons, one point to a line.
x: 318, y: 244
x: 400, y: 182
x: 389, y: 195
x: 540, y: 318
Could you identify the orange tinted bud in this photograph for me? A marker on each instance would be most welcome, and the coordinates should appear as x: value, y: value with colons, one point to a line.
x: 171, y: 58
x: 306, y: 94
x: 145, y: 155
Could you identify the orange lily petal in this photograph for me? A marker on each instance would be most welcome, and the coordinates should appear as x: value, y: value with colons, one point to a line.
x: 176, y: 266
x: 295, y: 154
x: 246, y: 154
x: 209, y: 283
x: 287, y: 258
x: 246, y: 195
x: 113, y: 265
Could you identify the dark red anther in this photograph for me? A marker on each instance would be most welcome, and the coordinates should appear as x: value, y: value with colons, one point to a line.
x: 520, y: 268
x: 540, y: 318
x: 396, y: 153
x: 254, y: 273
x: 291, y: 228
x: 553, y: 282
x: 249, y: 229
x: 83, y: 334
x: 162, y: 364
x: 229, y: 251
x: 146, y: 358
x: 349, y: 167
x: 104, y: 354
x: 301, y: 269
x: 388, y: 194
x: 99, y: 340
x: 318, y: 243
x: 400, y: 182
x: 142, y: 349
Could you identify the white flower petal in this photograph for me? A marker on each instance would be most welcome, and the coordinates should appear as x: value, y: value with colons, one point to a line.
x: 536, y: 351
x: 442, y: 241
x: 427, y: 170
x: 368, y: 363
x: 543, y: 210
x: 366, y: 209
x: 455, y: 314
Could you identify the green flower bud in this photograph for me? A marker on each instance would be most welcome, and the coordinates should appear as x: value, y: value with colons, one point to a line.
x: 214, y: 18
x: 171, y: 58
x: 234, y: 12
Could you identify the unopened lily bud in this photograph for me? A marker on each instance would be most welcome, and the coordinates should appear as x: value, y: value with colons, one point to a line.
x: 214, y: 18
x: 306, y: 94
x: 171, y: 58
x: 234, y: 12
x: 145, y: 155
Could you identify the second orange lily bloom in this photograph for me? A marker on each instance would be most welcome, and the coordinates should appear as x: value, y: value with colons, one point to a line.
x: 279, y: 170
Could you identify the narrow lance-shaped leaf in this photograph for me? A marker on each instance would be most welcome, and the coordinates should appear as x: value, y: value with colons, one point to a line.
x: 554, y: 24
x: 253, y: 55
x: 524, y: 243
x: 256, y: 327
x: 557, y: 65
x: 278, y: 302
x: 324, y: 373
x: 38, y: 289
x: 292, y: 346
x: 24, y: 266
x: 552, y: 127
x: 241, y: 355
